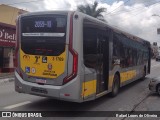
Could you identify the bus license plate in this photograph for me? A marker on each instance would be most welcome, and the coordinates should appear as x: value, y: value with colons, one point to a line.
x: 40, y: 81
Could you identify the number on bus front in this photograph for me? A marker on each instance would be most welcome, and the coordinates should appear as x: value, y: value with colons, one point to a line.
x: 58, y: 58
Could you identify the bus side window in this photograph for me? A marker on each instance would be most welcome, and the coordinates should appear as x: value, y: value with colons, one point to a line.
x: 89, y: 47
x: 134, y: 55
x: 119, y: 49
x: 130, y: 59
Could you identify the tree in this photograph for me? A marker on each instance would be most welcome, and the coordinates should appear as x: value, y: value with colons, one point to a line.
x: 92, y: 10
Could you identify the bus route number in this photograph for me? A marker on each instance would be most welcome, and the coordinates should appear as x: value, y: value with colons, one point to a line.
x: 58, y: 58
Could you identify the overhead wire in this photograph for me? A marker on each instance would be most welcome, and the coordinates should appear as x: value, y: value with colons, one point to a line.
x: 129, y: 10
x: 24, y: 2
x: 120, y: 27
x: 141, y: 11
x: 111, y: 12
x: 134, y: 9
x: 117, y: 7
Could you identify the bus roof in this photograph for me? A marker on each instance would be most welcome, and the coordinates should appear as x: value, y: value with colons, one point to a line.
x: 115, y: 29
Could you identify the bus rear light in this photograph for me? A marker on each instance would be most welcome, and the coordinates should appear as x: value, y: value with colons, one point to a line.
x: 74, y: 70
x: 74, y: 54
x: 75, y: 62
x: 66, y: 94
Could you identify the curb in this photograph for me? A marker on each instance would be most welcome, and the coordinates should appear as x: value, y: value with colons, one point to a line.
x: 6, y: 80
x: 4, y: 77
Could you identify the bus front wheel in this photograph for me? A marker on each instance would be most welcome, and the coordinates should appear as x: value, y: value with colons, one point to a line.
x: 115, y: 85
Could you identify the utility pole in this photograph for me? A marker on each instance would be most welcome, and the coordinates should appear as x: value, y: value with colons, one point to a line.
x: 158, y: 29
x: 155, y: 47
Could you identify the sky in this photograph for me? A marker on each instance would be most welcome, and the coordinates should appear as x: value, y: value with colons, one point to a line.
x: 133, y: 16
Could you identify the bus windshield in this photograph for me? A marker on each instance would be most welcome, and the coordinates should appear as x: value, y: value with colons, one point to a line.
x: 43, y: 35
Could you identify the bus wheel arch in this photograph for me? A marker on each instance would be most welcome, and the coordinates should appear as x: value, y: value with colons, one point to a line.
x: 115, y: 84
x: 158, y: 88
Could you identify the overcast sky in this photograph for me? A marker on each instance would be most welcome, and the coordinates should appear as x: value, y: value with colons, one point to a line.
x: 133, y: 16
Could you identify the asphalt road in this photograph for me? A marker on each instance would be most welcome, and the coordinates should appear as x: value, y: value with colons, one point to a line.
x: 133, y: 97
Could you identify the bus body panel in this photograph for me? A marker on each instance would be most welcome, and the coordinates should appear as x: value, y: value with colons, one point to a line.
x: 27, y: 81
x: 37, y: 72
x: 87, y: 84
x: 43, y: 66
x: 65, y: 92
x: 43, y: 69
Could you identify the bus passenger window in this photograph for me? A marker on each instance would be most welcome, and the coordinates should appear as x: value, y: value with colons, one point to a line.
x: 89, y: 47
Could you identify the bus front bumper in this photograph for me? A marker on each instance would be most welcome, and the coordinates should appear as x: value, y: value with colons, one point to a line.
x: 67, y: 92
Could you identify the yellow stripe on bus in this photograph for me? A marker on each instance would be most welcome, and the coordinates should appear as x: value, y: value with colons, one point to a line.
x: 88, y: 88
x: 127, y: 75
x: 124, y: 76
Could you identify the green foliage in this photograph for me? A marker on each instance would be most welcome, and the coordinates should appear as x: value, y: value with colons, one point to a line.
x: 92, y: 10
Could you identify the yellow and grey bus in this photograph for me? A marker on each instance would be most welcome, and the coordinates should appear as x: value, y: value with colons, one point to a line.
x: 74, y: 57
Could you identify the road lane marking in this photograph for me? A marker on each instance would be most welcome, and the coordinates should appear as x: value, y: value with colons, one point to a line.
x: 17, y: 105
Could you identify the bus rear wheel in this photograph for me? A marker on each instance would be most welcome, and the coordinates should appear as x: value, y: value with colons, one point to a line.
x: 158, y: 89
x: 116, y: 85
x: 144, y: 73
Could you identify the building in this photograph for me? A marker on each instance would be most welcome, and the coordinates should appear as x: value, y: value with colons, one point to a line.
x: 9, y: 14
x: 154, y: 50
x: 8, y: 36
x: 7, y: 43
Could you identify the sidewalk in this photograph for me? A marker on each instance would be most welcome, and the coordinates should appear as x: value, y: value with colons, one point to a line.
x: 6, y: 77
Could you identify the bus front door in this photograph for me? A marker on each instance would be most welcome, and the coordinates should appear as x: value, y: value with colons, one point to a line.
x: 102, y: 68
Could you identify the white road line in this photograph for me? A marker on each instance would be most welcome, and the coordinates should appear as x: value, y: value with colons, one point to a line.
x: 17, y: 105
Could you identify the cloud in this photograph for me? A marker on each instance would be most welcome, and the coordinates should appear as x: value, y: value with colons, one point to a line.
x: 136, y: 19
x: 134, y: 16
x: 65, y: 4
x: 29, y: 5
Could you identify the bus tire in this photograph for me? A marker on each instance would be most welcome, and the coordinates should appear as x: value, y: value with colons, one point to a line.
x: 158, y: 89
x: 115, y: 85
x: 144, y: 73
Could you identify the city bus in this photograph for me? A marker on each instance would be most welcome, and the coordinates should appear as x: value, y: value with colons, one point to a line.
x: 70, y: 56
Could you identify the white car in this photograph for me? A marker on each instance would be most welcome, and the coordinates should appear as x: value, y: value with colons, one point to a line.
x: 157, y: 57
x: 154, y: 85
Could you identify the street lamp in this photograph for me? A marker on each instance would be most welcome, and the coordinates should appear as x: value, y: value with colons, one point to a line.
x: 158, y: 32
x: 158, y: 29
